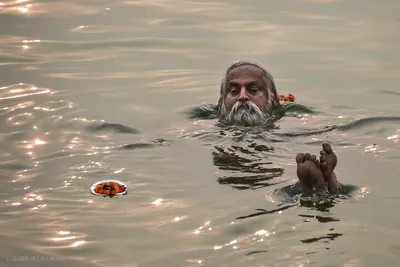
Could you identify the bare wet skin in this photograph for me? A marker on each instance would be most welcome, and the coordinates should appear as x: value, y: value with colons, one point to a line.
x: 313, y: 174
x: 328, y: 162
x: 104, y: 85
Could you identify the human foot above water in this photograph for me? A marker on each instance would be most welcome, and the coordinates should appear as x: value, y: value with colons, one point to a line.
x: 309, y: 173
x: 328, y: 162
x: 314, y: 175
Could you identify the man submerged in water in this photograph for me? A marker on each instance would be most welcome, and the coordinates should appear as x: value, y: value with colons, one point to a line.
x: 248, y: 97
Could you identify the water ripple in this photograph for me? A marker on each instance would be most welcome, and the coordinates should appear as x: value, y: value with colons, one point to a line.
x: 155, y: 55
x: 21, y: 90
x: 212, y: 9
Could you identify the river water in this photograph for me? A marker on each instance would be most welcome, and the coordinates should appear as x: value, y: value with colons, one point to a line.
x: 93, y: 90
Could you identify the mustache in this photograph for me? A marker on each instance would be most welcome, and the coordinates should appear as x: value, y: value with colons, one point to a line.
x: 249, y: 105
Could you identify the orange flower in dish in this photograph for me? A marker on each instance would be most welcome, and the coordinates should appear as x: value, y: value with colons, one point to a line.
x: 99, y: 189
x: 109, y: 188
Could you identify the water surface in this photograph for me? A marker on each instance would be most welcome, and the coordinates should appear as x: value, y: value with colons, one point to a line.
x: 92, y: 90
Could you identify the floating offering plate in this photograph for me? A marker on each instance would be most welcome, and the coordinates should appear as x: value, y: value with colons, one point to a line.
x: 109, y: 188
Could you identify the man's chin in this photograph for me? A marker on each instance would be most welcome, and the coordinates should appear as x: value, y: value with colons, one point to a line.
x: 243, y: 116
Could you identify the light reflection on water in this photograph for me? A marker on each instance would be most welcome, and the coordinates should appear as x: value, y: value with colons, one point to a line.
x: 79, y: 78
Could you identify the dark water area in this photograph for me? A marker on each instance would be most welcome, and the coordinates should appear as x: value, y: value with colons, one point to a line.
x: 95, y: 90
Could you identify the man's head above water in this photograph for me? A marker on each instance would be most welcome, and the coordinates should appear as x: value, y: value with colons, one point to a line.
x: 248, y: 94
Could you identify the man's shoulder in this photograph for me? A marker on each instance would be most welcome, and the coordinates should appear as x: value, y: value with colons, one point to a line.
x: 292, y: 109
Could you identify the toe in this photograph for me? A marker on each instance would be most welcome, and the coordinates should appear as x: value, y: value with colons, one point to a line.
x: 307, y: 156
x: 323, y: 165
x: 323, y: 153
x: 300, y: 158
x: 322, y: 158
x: 316, y: 161
x: 327, y: 148
x: 313, y: 158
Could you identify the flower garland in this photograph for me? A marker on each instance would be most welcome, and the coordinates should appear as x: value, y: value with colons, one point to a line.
x: 289, y: 98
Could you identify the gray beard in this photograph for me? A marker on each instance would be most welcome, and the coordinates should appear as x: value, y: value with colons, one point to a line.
x: 250, y: 116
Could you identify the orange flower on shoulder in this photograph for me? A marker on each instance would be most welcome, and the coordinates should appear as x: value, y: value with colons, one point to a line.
x: 290, y: 98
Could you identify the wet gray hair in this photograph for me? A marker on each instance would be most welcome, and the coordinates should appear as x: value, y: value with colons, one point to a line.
x: 273, y: 100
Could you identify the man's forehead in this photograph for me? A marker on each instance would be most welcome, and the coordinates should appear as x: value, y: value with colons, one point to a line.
x: 245, y: 72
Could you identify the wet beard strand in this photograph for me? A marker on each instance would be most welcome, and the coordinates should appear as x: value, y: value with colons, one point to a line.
x: 250, y: 116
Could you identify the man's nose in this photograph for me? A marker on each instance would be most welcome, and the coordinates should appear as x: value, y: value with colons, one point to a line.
x: 243, y: 95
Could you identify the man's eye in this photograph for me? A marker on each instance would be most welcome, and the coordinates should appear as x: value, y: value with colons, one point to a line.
x: 253, y: 89
x: 234, y: 90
